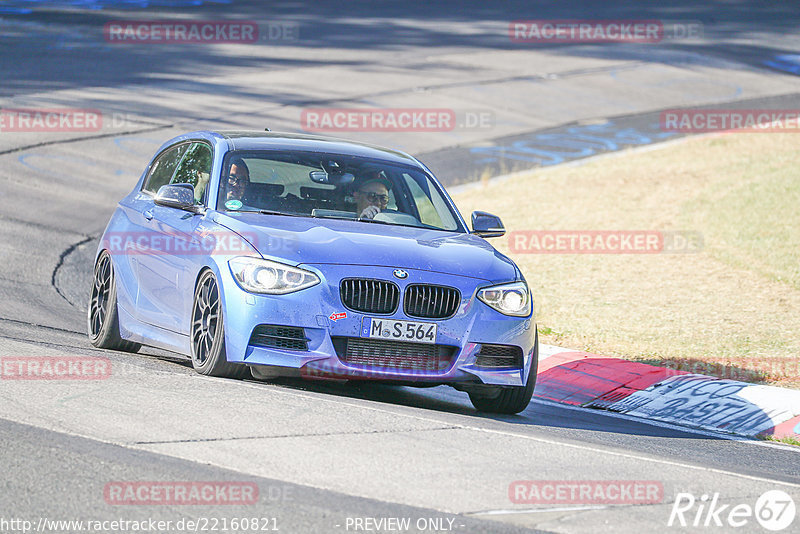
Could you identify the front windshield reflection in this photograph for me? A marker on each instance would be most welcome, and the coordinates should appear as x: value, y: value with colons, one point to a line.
x: 333, y: 186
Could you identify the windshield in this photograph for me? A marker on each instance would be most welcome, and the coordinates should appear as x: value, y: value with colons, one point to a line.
x: 333, y: 186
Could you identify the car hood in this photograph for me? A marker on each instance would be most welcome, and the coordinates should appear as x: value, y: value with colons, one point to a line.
x: 314, y: 241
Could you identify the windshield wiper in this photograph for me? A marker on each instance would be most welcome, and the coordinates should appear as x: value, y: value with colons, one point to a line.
x: 364, y: 219
x: 274, y: 212
x: 270, y: 212
x: 341, y: 217
x: 373, y: 221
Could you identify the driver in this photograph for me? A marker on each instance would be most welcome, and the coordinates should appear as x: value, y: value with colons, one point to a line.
x: 371, y: 193
x: 238, y: 179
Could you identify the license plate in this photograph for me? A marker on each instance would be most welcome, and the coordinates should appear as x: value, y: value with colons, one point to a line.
x: 399, y: 330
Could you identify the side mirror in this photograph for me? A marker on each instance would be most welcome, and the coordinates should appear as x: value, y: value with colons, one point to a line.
x: 487, y: 225
x: 179, y: 196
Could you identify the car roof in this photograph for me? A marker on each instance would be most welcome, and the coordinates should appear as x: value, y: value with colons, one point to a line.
x: 256, y: 140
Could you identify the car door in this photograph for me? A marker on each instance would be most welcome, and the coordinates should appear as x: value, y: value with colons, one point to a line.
x: 167, y: 273
x: 134, y: 243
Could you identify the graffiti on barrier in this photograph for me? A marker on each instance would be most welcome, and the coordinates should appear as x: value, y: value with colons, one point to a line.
x: 573, y: 143
x: 24, y: 7
x: 786, y: 62
x: 711, y: 403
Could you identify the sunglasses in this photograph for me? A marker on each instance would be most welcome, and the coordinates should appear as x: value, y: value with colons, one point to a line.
x: 376, y: 197
x: 236, y: 180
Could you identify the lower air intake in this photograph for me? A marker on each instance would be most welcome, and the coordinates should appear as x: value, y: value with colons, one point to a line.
x: 279, y: 337
x: 499, y: 357
x: 394, y: 355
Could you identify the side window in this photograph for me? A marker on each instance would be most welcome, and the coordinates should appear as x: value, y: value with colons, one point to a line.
x: 432, y: 208
x: 195, y: 169
x: 163, y: 168
x: 427, y: 212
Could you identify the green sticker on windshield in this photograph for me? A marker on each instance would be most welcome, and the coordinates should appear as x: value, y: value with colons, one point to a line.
x: 233, y: 204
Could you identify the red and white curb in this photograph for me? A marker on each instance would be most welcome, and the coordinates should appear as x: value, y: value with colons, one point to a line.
x: 662, y: 394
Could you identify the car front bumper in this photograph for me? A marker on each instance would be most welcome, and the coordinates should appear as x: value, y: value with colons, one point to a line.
x: 319, y: 311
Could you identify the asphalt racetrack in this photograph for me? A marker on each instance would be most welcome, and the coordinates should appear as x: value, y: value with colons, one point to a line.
x: 329, y: 457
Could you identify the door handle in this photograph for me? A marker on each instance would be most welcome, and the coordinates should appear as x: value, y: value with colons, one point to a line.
x: 148, y: 214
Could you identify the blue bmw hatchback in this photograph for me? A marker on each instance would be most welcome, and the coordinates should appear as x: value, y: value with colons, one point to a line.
x: 263, y: 254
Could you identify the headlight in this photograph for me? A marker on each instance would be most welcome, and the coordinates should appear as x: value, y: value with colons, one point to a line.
x: 265, y: 276
x: 509, y: 299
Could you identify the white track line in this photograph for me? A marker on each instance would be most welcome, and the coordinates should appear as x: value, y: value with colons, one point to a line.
x: 540, y: 510
x: 563, y: 443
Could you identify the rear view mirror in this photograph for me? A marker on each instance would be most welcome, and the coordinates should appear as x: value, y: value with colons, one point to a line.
x: 487, y: 225
x: 339, y: 179
x: 320, y: 177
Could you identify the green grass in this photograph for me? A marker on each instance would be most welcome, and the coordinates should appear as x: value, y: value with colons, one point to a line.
x: 756, y: 225
x: 786, y: 441
x: 735, y: 303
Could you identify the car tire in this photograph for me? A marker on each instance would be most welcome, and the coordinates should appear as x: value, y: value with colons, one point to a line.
x: 102, y: 317
x: 207, y: 332
x: 508, y: 400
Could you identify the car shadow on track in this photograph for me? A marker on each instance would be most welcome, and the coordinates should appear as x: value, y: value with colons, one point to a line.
x: 539, y: 415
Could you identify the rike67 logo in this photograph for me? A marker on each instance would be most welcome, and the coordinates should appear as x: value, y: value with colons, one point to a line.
x: 774, y: 510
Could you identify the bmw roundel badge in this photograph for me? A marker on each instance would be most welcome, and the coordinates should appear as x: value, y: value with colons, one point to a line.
x: 400, y: 273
